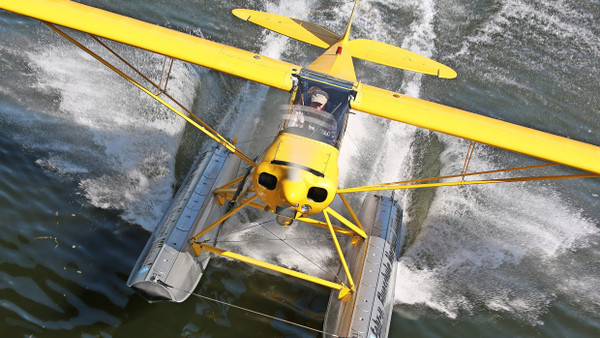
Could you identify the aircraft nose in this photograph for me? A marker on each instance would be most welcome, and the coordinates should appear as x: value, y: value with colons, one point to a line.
x: 294, y: 192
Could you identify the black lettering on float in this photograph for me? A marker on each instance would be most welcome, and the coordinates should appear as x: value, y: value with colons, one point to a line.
x: 387, y: 272
x: 378, y: 321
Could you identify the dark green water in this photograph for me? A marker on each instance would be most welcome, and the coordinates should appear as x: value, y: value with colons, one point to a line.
x: 88, y: 165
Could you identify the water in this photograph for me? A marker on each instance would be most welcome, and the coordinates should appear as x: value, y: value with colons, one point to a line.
x: 88, y: 166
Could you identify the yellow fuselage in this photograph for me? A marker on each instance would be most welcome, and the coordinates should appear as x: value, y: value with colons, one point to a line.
x: 297, y: 172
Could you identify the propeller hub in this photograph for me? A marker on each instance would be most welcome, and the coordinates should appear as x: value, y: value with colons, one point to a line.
x: 293, y: 192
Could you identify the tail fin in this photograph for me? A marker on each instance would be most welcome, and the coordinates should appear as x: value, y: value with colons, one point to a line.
x: 368, y: 50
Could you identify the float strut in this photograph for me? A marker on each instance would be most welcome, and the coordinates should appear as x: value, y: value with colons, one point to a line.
x: 344, y: 290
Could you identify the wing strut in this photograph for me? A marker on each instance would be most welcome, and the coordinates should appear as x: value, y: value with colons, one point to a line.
x: 199, y: 124
x: 418, y: 183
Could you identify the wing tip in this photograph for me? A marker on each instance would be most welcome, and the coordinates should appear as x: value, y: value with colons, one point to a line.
x: 241, y: 13
x: 447, y: 73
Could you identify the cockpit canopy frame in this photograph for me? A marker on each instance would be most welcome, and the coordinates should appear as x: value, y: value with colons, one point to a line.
x: 321, y: 122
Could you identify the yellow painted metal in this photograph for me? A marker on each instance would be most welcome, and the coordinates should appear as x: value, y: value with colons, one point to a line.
x: 158, y: 39
x: 462, y: 182
x: 215, y: 136
x: 227, y: 185
x: 225, y: 217
x: 336, y: 64
x: 304, y: 152
x: 293, y: 28
x: 339, y: 250
x: 229, y: 196
x: 224, y: 194
x: 468, y: 157
x: 224, y: 191
x: 476, y: 127
x: 324, y: 225
x: 346, y: 36
x: 346, y: 222
x: 342, y: 288
x: 397, y: 57
x: 298, y: 163
x: 461, y: 175
x: 337, y: 60
x: 253, y: 204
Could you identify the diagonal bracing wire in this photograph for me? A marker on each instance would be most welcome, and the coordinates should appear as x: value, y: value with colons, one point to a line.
x: 325, y: 334
x: 301, y: 254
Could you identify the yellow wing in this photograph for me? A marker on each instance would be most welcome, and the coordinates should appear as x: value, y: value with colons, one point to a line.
x: 158, y: 39
x: 478, y: 128
x: 278, y: 74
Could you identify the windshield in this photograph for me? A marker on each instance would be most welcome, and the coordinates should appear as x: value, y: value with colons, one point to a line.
x: 318, y: 111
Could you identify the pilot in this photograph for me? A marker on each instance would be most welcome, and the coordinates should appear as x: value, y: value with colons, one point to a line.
x: 326, y: 124
x: 318, y: 100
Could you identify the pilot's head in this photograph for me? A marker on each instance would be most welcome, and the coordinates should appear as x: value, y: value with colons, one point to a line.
x: 318, y: 98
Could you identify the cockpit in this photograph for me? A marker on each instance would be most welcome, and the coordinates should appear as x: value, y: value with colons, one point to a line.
x: 298, y: 173
x: 318, y: 109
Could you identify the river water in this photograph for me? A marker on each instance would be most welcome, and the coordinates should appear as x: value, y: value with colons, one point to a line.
x: 88, y: 166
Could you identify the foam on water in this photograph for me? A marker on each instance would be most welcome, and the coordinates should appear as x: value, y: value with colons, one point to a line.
x: 502, y: 248
x: 298, y: 247
x: 122, y: 144
x: 557, y: 18
x: 391, y: 155
x: 506, y: 259
x: 360, y: 149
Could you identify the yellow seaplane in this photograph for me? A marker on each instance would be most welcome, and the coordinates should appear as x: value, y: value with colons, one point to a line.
x: 297, y: 177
